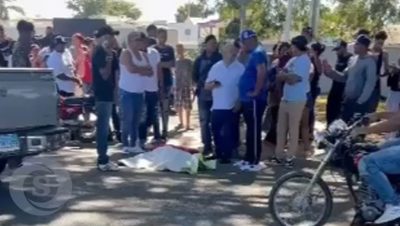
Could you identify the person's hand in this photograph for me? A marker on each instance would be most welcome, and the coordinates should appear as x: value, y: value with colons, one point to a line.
x: 358, y: 131
x: 326, y: 67
x: 147, y: 71
x: 78, y: 81
x: 293, y: 79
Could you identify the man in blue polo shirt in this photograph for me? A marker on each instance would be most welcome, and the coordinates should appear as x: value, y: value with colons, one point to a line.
x: 253, y: 97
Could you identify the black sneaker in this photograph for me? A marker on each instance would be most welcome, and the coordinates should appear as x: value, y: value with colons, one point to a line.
x: 289, y: 163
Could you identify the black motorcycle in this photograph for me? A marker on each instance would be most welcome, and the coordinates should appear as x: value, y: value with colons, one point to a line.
x: 300, y: 198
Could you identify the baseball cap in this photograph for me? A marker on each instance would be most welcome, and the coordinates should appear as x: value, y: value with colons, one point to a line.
x: 59, y: 40
x: 247, y: 34
x: 106, y: 30
x: 363, y: 40
x: 340, y: 43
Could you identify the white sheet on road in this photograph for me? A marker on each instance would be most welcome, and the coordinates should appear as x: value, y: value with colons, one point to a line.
x: 164, y: 158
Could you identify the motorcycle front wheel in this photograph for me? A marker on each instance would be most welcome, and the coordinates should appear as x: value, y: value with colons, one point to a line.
x: 290, y: 206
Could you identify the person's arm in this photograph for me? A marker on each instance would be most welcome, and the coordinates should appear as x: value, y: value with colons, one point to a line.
x: 333, y: 74
x: 387, y: 126
x: 195, y: 71
x: 370, y: 82
x: 58, y: 72
x: 260, y: 60
x: 210, y: 81
x: 386, y: 66
x: 126, y: 60
x: 384, y: 115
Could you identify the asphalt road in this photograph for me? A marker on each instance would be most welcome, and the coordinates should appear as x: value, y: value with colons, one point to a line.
x: 224, y: 197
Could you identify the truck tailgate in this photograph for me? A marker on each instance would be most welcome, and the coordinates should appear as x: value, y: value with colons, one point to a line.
x: 28, y: 98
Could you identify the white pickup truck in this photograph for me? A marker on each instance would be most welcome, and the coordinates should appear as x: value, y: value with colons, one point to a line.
x: 29, y: 121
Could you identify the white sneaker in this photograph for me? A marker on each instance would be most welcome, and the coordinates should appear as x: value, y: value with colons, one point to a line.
x: 241, y: 163
x: 245, y: 167
x: 109, y: 167
x: 391, y: 213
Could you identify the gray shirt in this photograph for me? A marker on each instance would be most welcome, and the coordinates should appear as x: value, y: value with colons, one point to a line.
x: 360, y: 78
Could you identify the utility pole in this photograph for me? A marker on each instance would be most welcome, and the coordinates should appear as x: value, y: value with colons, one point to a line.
x: 288, y: 22
x: 243, y: 5
x: 314, y: 16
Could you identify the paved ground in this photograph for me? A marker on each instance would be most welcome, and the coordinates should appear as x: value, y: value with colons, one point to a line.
x: 225, y: 197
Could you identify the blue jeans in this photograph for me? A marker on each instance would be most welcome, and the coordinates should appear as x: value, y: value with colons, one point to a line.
x: 151, y: 116
x: 103, y: 112
x: 222, y: 122
x: 165, y: 110
x: 205, y: 124
x: 131, y: 115
x: 374, y: 168
x: 253, y: 112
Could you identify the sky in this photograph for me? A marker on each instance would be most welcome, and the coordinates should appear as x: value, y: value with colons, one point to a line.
x: 151, y: 9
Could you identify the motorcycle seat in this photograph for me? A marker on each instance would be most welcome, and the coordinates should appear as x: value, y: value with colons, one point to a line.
x: 79, y: 101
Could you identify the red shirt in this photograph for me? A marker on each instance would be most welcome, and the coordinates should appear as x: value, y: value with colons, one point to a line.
x: 87, y: 70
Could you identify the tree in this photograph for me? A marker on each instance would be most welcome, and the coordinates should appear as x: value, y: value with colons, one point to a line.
x: 89, y: 8
x: 198, y: 9
x: 5, y: 9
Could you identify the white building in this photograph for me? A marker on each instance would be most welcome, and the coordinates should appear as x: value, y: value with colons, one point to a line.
x: 193, y: 30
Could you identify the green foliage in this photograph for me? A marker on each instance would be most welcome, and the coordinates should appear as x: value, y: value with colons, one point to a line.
x: 90, y: 8
x: 337, y: 17
x: 198, y: 9
x: 5, y: 8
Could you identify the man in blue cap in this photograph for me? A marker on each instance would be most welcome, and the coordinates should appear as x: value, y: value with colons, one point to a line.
x: 253, y: 97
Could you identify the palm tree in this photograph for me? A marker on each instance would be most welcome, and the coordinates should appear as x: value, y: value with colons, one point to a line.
x: 5, y: 8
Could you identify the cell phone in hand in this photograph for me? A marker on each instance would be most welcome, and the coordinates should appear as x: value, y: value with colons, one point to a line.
x: 217, y: 83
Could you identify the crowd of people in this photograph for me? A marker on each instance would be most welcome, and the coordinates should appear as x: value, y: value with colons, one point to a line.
x: 276, y: 93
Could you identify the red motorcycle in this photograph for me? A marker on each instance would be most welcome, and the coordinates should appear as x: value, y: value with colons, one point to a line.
x: 77, y: 114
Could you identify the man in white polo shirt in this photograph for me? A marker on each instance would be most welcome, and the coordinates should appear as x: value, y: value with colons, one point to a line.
x: 223, y: 80
x: 62, y: 63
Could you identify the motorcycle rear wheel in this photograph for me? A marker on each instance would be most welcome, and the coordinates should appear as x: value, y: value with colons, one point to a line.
x: 295, y: 207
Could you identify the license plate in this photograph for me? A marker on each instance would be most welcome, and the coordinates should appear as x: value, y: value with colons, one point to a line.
x: 9, y: 142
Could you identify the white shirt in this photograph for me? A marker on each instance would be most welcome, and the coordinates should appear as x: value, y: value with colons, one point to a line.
x: 301, y: 66
x: 62, y: 63
x: 151, y: 83
x: 133, y: 82
x: 225, y: 96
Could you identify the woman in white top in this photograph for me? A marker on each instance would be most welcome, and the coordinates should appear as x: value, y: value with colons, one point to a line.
x: 134, y: 65
x: 295, y: 76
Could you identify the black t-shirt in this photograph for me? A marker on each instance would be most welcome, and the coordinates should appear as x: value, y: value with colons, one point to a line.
x: 103, y: 89
x: 342, y: 62
x: 314, y: 84
x: 167, y: 54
